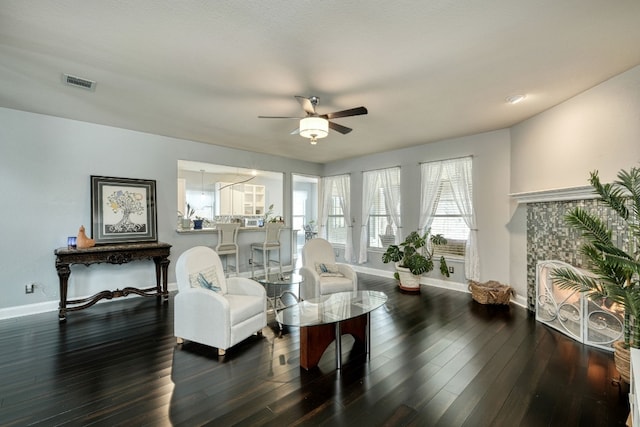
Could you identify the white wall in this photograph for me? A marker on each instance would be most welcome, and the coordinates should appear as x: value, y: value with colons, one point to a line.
x: 45, y: 164
x: 598, y: 129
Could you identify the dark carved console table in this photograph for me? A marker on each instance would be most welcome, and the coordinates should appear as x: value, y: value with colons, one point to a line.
x: 111, y: 254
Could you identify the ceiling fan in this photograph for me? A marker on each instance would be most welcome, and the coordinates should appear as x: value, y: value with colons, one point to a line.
x: 314, y: 125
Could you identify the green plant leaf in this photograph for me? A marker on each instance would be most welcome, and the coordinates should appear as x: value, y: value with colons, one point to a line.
x: 392, y: 254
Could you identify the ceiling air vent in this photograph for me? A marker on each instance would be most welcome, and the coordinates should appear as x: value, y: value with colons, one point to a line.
x: 70, y: 80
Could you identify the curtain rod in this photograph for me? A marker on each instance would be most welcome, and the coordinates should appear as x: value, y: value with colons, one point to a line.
x: 379, y: 169
x: 338, y: 174
x: 445, y: 160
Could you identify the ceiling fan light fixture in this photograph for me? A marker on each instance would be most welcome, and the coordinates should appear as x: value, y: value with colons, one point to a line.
x: 314, y: 128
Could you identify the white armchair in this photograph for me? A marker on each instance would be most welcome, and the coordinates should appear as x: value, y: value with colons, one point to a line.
x: 235, y: 309
x: 321, y: 274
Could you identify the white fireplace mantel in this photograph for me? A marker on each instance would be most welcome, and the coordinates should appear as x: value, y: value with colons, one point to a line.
x: 555, y: 195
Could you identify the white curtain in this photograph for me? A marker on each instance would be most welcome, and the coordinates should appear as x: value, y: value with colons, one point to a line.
x: 343, y: 187
x: 339, y: 186
x: 460, y: 176
x: 326, y: 189
x: 369, y: 187
x: 390, y: 180
x: 431, y: 176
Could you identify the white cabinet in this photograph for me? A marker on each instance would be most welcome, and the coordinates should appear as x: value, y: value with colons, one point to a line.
x: 595, y: 323
x: 231, y: 198
x: 241, y: 199
x: 254, y: 199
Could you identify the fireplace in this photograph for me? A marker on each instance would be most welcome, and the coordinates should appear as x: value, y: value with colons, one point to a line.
x: 550, y: 238
x: 596, y: 323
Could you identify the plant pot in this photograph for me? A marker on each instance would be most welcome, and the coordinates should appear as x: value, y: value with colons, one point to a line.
x: 408, y: 282
x: 197, y: 224
x: 186, y: 223
x: 622, y: 359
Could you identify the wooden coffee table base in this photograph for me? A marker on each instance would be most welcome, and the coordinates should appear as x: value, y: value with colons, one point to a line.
x: 314, y: 340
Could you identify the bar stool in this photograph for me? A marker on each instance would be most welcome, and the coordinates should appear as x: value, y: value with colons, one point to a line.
x: 271, y: 243
x: 228, y: 243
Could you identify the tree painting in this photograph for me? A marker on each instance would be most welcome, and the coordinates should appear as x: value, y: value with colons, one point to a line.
x: 128, y: 203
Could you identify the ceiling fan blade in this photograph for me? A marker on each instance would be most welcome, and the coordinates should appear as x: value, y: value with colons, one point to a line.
x: 279, y: 117
x: 339, y: 128
x: 296, y: 131
x: 307, y: 105
x: 345, y: 113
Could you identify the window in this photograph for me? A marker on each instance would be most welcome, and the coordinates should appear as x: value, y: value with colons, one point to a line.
x: 448, y: 221
x: 334, y: 211
x: 447, y: 218
x: 305, y: 205
x: 440, y: 183
x: 380, y: 223
x: 336, y: 227
x: 298, y: 220
x: 381, y: 206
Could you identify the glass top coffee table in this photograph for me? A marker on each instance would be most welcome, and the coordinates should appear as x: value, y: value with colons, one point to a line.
x: 325, y: 319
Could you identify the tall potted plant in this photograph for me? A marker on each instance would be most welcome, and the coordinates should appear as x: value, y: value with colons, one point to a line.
x: 615, y: 270
x: 413, y: 257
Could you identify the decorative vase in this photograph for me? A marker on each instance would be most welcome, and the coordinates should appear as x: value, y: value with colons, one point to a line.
x: 408, y: 282
x: 186, y: 223
x: 197, y: 224
x: 622, y: 359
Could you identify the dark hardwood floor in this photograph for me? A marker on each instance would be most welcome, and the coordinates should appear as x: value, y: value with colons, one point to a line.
x: 437, y: 359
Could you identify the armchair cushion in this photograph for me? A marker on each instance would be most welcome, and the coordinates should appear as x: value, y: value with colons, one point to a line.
x: 328, y: 270
x: 243, y: 307
x: 333, y: 284
x: 207, y: 279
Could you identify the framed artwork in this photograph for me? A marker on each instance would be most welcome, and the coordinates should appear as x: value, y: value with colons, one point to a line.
x: 123, y: 210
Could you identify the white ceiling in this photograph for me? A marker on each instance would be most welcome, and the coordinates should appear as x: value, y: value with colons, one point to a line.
x: 204, y: 70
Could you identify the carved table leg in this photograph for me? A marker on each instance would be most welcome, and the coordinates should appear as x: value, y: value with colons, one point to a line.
x: 165, y: 273
x: 64, y: 271
x: 162, y: 272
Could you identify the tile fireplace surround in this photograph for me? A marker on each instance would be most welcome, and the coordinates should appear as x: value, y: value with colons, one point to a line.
x: 550, y: 238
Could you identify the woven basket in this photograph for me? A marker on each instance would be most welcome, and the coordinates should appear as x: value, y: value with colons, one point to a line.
x: 491, y: 292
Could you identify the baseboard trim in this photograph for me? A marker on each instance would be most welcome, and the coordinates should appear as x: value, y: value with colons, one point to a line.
x: 49, y: 306
x: 436, y: 283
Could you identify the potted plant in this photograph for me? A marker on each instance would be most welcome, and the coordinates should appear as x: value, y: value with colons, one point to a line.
x: 413, y: 257
x: 186, y: 217
x: 197, y: 223
x: 614, y: 269
x: 268, y: 215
